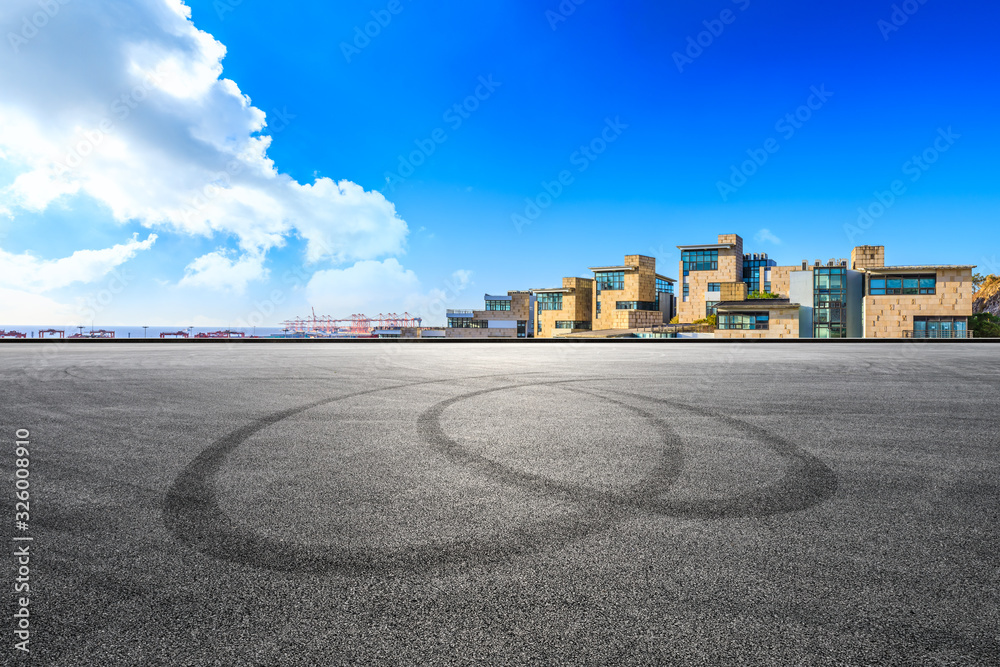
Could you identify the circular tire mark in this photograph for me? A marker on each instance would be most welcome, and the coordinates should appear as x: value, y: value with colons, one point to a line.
x: 192, y: 513
x: 807, y: 480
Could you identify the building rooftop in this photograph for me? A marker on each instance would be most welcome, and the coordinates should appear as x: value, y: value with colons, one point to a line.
x: 552, y: 290
x: 924, y: 267
x: 757, y: 304
x: 707, y: 246
x: 669, y: 280
x: 613, y: 268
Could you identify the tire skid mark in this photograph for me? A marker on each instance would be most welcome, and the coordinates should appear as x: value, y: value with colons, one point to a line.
x: 192, y: 513
x: 807, y: 480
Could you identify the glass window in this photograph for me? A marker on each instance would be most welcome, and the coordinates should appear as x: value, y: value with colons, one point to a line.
x: 635, y: 305
x: 664, y: 286
x: 497, y: 305
x: 940, y: 327
x: 700, y: 260
x: 580, y: 324
x: 549, y: 301
x: 611, y: 280
x: 714, y: 287
x: 911, y: 284
x: 467, y: 323
x: 710, y: 308
x: 747, y: 321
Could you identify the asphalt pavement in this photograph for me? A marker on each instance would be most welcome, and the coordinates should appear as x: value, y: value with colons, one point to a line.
x: 660, y: 503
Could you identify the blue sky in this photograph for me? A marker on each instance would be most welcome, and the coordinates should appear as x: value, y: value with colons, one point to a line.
x: 652, y: 113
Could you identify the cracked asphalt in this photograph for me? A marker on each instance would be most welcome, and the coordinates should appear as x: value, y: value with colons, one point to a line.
x: 284, y: 504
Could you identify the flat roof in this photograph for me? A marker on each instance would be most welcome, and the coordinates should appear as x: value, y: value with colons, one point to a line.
x: 707, y: 246
x: 925, y: 267
x: 757, y: 304
x: 669, y: 280
x: 552, y: 290
x: 613, y: 268
x: 490, y: 297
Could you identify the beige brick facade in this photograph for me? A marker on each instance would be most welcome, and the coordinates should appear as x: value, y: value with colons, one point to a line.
x: 734, y: 291
x: 576, y: 307
x: 784, y: 323
x: 730, y: 271
x: 890, y: 316
x: 520, y: 307
x: 639, y: 285
x: 867, y: 257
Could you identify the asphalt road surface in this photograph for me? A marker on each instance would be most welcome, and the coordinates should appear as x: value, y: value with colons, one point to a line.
x: 508, y: 504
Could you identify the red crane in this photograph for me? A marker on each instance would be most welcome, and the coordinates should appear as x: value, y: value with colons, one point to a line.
x: 356, y: 325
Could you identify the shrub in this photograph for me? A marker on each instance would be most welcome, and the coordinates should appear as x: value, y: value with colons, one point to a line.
x: 984, y: 325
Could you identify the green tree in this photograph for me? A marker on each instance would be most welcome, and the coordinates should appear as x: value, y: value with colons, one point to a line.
x: 984, y: 325
x: 762, y: 295
x: 711, y: 321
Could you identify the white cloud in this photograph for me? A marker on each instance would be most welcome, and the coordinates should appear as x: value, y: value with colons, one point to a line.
x: 217, y: 270
x: 27, y: 272
x: 124, y: 103
x: 20, y: 307
x: 372, y: 287
x: 765, y: 236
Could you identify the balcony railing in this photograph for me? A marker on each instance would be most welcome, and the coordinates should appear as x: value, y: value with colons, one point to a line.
x: 953, y: 333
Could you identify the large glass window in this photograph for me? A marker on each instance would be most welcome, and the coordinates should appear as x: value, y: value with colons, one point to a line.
x: 522, y: 328
x: 710, y: 307
x: 583, y: 324
x: 752, y: 265
x: 746, y: 321
x: 497, y: 305
x: 687, y: 290
x: 830, y: 302
x: 467, y: 323
x: 700, y: 260
x: 664, y: 286
x: 635, y: 305
x: 551, y: 301
x: 940, y: 327
x: 714, y: 287
x: 915, y: 284
x: 613, y: 280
